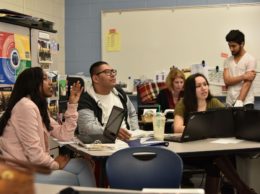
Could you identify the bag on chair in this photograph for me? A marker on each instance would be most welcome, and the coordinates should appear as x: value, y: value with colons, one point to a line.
x: 16, y: 177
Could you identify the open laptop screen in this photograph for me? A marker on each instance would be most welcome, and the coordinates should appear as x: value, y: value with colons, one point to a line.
x: 209, y: 124
x: 196, y: 128
x: 247, y: 124
x: 111, y: 129
x: 221, y: 122
x: 114, y: 122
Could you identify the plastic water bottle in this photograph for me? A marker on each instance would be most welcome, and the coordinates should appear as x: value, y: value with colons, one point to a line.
x: 158, y: 125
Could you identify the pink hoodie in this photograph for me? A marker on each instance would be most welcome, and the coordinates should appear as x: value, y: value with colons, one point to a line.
x: 26, y: 137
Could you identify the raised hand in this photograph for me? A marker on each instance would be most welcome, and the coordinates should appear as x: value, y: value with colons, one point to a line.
x: 75, y: 92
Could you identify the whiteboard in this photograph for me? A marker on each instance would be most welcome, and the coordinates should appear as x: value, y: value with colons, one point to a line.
x: 151, y: 41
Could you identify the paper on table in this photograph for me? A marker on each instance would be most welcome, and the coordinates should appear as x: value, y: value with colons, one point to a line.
x: 119, y: 144
x: 136, y: 134
x: 227, y: 141
x: 105, y: 147
x: 100, y: 147
x: 147, y: 141
x: 152, y: 110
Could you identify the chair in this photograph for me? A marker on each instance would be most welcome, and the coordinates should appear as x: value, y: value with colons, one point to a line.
x: 146, y: 99
x: 144, y: 167
x: 147, y: 92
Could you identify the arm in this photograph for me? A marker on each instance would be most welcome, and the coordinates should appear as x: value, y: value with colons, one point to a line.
x: 233, y: 80
x: 65, y: 131
x: 244, y: 90
x: 88, y: 123
x: 230, y: 80
x: 132, y: 115
x: 178, y: 124
x: 132, y: 119
x: 250, y: 76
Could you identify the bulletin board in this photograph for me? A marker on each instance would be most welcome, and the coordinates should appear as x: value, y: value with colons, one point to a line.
x: 15, y: 52
x: 141, y: 43
x: 15, y: 56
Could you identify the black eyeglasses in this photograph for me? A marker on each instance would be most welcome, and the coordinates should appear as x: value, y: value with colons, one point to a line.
x: 108, y: 72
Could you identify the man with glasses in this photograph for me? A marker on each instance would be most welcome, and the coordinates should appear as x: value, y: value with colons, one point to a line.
x: 96, y: 103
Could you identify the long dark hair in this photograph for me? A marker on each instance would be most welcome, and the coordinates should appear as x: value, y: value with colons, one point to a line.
x: 190, y: 99
x: 28, y: 84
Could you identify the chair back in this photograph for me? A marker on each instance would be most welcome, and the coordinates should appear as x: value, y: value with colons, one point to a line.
x: 147, y: 92
x: 144, y: 167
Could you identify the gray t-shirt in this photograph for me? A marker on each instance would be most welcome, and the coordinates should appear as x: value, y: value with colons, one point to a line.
x: 246, y: 63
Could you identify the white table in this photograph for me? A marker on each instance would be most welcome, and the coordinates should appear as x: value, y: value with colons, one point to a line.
x: 55, y: 189
x: 197, y: 148
x: 193, y: 148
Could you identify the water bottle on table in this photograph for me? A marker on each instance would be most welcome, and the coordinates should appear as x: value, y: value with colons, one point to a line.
x: 159, y: 125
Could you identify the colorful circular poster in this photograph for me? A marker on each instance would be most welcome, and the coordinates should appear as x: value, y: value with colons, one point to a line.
x: 14, y: 56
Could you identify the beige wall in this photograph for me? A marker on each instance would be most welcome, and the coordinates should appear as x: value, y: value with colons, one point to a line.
x: 51, y: 10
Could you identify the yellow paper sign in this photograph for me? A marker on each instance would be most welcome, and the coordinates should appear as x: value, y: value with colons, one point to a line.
x: 113, y: 41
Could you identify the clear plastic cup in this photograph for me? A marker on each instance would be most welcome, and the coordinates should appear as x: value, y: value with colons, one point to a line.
x: 159, y: 125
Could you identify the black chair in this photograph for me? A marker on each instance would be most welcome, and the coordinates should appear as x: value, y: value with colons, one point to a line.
x: 144, y: 167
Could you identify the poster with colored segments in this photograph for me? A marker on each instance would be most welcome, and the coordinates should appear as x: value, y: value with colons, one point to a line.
x: 15, y: 56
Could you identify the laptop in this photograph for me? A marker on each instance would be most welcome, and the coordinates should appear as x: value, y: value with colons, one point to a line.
x: 247, y: 124
x: 111, y: 129
x: 221, y: 122
x: 214, y: 123
x: 195, y: 129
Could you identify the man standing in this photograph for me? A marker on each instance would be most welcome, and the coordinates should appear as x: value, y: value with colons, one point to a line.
x: 96, y: 103
x: 239, y: 72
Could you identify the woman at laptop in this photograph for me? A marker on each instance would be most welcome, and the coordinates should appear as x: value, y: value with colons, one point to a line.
x: 168, y: 97
x: 26, y: 126
x: 197, y: 97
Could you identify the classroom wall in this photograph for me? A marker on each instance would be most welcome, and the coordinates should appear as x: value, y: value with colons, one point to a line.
x: 152, y: 40
x: 83, y: 25
x: 51, y: 10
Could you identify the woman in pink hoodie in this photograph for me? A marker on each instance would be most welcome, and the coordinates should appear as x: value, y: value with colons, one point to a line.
x: 26, y: 126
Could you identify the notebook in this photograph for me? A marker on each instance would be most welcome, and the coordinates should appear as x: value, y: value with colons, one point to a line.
x: 213, y: 123
x: 247, y: 124
x: 111, y: 129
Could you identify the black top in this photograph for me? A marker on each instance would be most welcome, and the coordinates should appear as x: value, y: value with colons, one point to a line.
x: 165, y: 99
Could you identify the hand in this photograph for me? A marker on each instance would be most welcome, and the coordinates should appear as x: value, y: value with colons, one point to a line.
x: 62, y: 160
x: 239, y: 103
x: 123, y: 134
x: 249, y: 75
x: 75, y: 92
